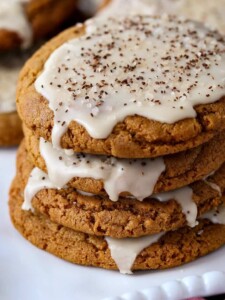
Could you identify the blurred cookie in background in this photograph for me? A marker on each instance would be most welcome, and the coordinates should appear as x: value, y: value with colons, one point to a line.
x: 24, y: 26
x: 24, y: 21
x: 10, y: 124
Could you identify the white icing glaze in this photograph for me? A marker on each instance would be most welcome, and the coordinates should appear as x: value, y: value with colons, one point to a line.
x: 131, y: 7
x: 156, y: 68
x: 184, y: 197
x: 13, y: 18
x: 10, y: 66
x: 138, y: 177
x: 38, y: 181
x: 125, y: 251
x: 216, y: 216
x: 212, y: 184
x: 215, y: 187
x: 89, y: 7
x: 207, y: 11
x: 85, y: 193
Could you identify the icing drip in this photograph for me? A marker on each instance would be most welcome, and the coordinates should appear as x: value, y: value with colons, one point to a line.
x: 85, y: 193
x: 213, y: 185
x: 207, y: 11
x: 10, y: 66
x: 125, y: 251
x: 136, y: 176
x: 217, y: 216
x: 184, y: 197
x: 12, y: 18
x: 158, y: 68
x: 38, y: 181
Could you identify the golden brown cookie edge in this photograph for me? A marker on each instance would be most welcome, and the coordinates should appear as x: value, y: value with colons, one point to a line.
x: 173, y: 249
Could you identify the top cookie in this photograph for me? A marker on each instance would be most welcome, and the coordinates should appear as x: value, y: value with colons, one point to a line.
x: 22, y: 21
x: 134, y: 86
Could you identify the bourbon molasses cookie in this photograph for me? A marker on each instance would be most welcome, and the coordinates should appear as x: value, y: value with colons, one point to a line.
x: 131, y: 87
x: 103, y: 175
x: 147, y: 253
x: 126, y: 217
x: 23, y: 21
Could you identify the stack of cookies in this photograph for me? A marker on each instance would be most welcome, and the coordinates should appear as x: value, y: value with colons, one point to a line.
x: 122, y: 166
x: 23, y: 23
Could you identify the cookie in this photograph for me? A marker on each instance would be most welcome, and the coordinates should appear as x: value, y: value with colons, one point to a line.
x: 176, y: 171
x: 11, y: 132
x: 165, y: 251
x: 21, y: 23
x: 138, y: 127
x: 208, y: 12
x: 125, y: 218
x: 10, y: 124
x: 9, y: 40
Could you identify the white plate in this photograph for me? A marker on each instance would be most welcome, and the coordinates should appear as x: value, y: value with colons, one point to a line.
x: 29, y: 273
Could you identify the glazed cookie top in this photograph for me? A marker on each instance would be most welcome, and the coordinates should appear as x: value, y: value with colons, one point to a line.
x: 157, y: 68
x: 14, y: 19
x: 209, y: 12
